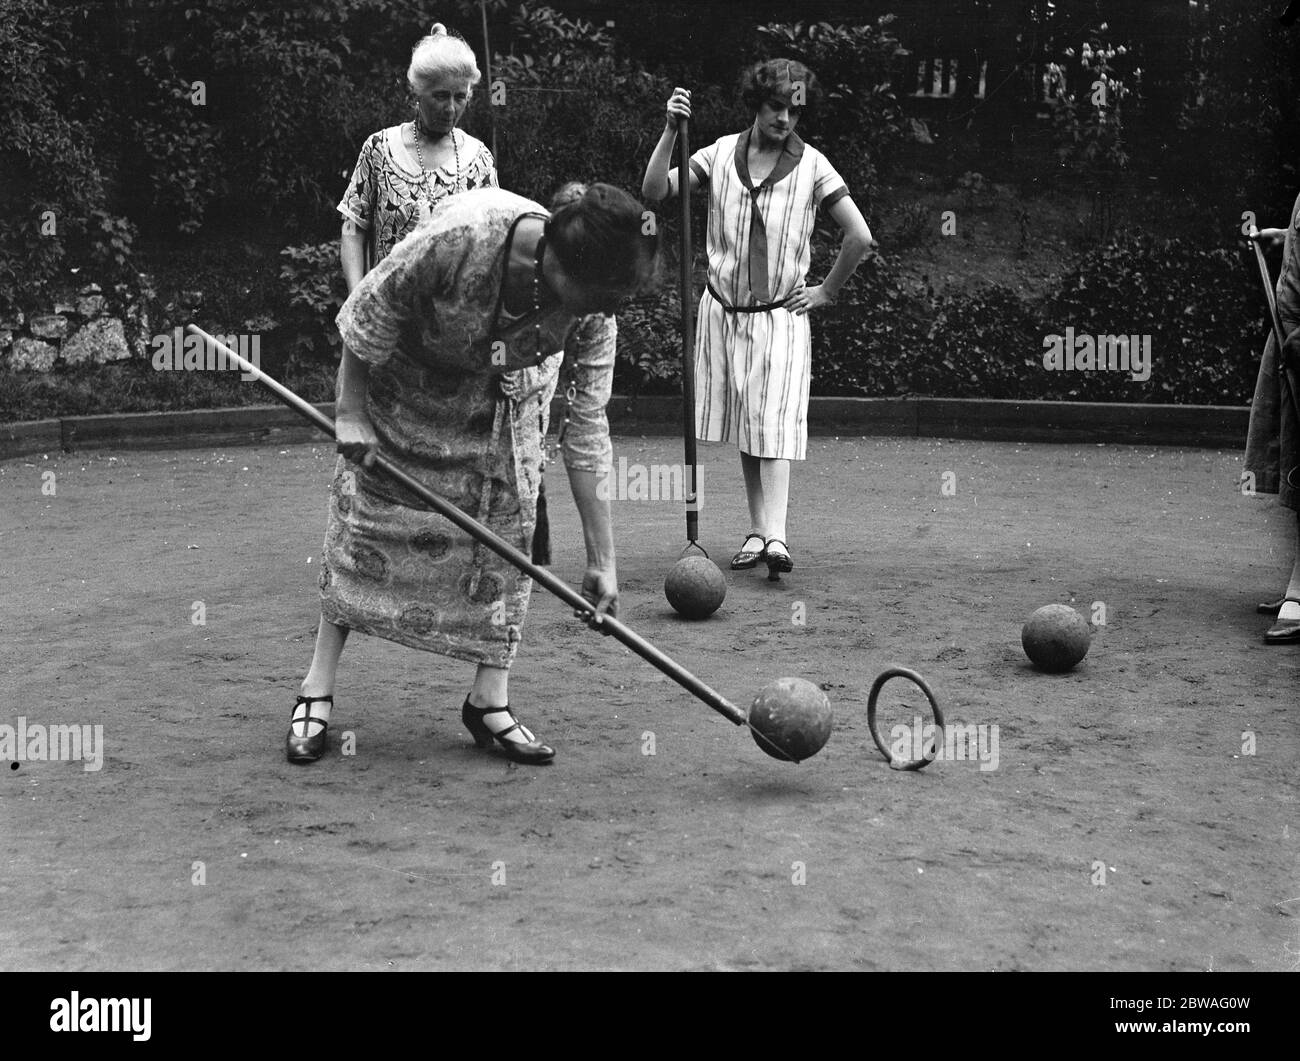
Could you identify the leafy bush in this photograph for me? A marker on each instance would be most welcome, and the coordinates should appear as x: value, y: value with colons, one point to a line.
x: 860, y: 120
x: 984, y: 343
x: 650, y: 345
x: 54, y: 210
x: 914, y: 228
x: 313, y: 279
x: 866, y: 343
x: 1200, y: 307
x: 1237, y: 92
x: 174, y: 156
x: 887, y: 335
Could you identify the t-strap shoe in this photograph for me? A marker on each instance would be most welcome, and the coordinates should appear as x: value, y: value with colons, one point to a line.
x: 778, y: 562
x: 529, y: 750
x: 307, y: 749
x: 748, y: 558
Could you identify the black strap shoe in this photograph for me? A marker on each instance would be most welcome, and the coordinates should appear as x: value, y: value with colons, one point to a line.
x: 530, y: 750
x: 778, y: 563
x: 307, y: 749
x: 748, y: 558
x: 1284, y: 631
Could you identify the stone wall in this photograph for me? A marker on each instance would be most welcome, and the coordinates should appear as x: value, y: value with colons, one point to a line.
x: 86, y: 325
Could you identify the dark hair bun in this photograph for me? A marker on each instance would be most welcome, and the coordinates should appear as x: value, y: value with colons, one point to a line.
x: 603, y: 239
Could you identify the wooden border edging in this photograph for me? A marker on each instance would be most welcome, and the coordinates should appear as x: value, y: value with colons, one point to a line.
x: 1214, y: 426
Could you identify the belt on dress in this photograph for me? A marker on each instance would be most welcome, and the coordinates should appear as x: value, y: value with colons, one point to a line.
x: 764, y: 308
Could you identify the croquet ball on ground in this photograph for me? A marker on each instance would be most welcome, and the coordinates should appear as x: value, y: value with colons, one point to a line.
x: 1056, y: 637
x: 791, y: 719
x: 695, y: 587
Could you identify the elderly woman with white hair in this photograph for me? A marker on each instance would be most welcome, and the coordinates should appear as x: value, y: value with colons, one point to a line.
x: 406, y: 169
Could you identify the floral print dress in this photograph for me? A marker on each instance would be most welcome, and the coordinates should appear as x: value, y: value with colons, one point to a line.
x: 389, y: 195
x: 459, y: 397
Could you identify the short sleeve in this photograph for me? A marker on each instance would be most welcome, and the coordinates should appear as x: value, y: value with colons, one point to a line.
x: 358, y: 202
x: 702, y: 163
x: 1288, y: 281
x: 828, y: 186
x: 400, y: 293
x: 482, y: 171
x: 589, y: 367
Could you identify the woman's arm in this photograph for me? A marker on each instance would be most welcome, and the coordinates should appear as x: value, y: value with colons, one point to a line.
x: 352, y: 253
x: 857, y: 244
x: 658, y: 183
x: 589, y: 368
x: 358, y: 209
x: 600, y: 580
x: 356, y: 436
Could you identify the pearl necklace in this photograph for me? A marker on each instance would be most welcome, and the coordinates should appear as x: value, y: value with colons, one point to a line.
x: 427, y: 203
x: 571, y: 391
x: 537, y: 294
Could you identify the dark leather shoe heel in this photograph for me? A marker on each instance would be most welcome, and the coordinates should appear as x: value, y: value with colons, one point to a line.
x: 307, y: 749
x: 533, y: 752
x: 747, y: 558
x: 1284, y: 631
x: 777, y: 563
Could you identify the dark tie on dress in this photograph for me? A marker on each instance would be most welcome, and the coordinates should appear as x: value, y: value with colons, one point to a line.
x: 757, y: 250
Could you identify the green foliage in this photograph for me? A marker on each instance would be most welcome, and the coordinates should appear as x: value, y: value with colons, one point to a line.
x: 1199, y: 306
x: 983, y: 343
x: 867, y: 342
x: 860, y: 120
x: 914, y: 228
x: 313, y: 279
x: 650, y: 345
x: 543, y: 31
x: 1237, y: 91
x: 888, y: 335
x: 135, y: 387
x: 173, y: 157
x: 295, y: 97
x: 48, y: 164
x: 1088, y: 118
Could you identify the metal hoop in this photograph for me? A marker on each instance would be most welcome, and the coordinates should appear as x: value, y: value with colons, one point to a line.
x: 917, y: 680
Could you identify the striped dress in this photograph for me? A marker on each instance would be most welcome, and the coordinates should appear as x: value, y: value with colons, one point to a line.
x: 752, y: 370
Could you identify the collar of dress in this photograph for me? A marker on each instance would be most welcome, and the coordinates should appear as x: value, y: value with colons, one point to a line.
x: 791, y: 153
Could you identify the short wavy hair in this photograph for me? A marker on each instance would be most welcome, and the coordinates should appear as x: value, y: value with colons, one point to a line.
x: 778, y: 78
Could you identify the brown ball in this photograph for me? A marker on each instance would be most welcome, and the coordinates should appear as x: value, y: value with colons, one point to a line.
x: 695, y: 587
x: 791, y: 719
x: 1056, y: 637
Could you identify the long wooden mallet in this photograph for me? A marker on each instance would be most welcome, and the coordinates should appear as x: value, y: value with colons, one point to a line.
x: 688, y: 339
x: 605, y: 623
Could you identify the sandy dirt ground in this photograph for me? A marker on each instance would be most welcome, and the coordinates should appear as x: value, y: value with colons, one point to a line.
x: 1142, y: 813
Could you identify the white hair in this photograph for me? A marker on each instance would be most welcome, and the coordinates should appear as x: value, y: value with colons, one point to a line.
x: 441, y: 55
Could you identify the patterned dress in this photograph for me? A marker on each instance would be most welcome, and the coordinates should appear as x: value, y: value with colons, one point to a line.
x: 389, y: 195
x: 753, y: 369
x: 458, y: 396
x: 1273, y: 439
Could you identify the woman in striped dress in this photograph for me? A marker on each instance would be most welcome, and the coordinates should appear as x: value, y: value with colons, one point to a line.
x: 753, y: 346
